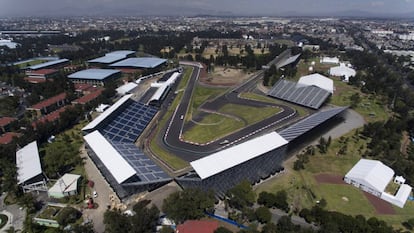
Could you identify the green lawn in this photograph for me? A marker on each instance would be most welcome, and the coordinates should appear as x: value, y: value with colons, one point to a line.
x: 250, y: 114
x: 200, y: 95
x: 212, y: 127
x: 303, y: 190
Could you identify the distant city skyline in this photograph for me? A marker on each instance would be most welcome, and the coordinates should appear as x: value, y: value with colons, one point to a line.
x: 19, y: 8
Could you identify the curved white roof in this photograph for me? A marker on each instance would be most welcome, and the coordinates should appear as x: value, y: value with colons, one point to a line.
x: 317, y: 80
x: 342, y: 70
x: 233, y: 156
x: 122, y: 90
x: 371, y: 173
x: 28, y: 162
x: 120, y: 169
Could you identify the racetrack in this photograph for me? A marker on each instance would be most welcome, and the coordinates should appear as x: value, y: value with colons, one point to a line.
x: 172, y: 140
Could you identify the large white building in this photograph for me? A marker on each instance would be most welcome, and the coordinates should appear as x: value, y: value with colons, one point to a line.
x: 342, y: 71
x: 317, y: 80
x: 373, y: 177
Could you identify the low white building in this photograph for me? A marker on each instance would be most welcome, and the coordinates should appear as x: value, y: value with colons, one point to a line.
x: 342, y: 71
x: 67, y: 185
x: 373, y: 177
x: 329, y: 60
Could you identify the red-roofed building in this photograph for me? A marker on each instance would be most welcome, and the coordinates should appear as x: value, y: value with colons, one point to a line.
x: 197, y: 226
x: 5, y: 123
x: 46, y: 106
x: 88, y: 98
x: 52, y: 117
x: 85, y: 88
x: 40, y: 75
x: 8, y: 137
x: 34, y: 80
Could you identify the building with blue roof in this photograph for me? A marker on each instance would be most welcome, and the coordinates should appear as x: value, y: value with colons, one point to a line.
x: 50, y: 64
x: 140, y: 63
x: 112, y: 57
x: 95, y: 76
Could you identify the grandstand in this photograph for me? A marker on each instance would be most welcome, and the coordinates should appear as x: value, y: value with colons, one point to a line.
x: 306, y: 95
x: 252, y: 160
x: 302, y: 127
x: 110, y: 144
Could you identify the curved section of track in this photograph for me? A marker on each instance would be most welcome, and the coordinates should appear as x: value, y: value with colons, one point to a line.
x: 191, y: 151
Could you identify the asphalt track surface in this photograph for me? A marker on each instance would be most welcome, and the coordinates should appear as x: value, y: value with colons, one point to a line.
x: 171, y: 139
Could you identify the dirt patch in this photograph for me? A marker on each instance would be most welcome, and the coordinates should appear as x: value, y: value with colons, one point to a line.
x: 223, y: 76
x: 381, y: 206
x: 329, y: 179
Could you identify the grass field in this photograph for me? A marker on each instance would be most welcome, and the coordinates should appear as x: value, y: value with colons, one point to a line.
x: 200, y: 95
x: 248, y: 113
x: 303, y: 190
x: 212, y: 127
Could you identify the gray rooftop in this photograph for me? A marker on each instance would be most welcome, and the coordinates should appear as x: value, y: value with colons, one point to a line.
x: 140, y: 62
x: 112, y: 57
x: 309, y: 123
x: 309, y: 96
x: 49, y: 63
x: 93, y: 74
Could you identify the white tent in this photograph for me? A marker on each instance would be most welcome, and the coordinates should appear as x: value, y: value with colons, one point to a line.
x: 330, y: 60
x: 67, y: 185
x: 317, y: 80
x: 370, y: 175
x: 342, y: 71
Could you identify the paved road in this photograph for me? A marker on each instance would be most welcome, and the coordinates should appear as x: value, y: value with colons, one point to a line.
x: 190, y: 151
x: 104, y: 193
x: 14, y: 212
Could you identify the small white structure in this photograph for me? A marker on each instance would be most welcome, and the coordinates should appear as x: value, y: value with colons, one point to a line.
x: 399, y: 180
x: 67, y: 185
x: 373, y: 177
x: 102, y: 107
x: 127, y: 88
x: 342, y: 71
x: 317, y: 80
x: 330, y: 60
x: 310, y: 68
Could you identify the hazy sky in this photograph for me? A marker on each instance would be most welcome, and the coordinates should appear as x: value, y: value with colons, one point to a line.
x: 191, y: 7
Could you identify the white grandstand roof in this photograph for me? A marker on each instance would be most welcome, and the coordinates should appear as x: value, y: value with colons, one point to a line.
x: 120, y: 169
x: 126, y: 88
x: 107, y: 112
x: 233, y: 156
x: 161, y: 89
x: 371, y: 173
x: 317, y: 80
x: 342, y: 70
x: 65, y: 184
x: 28, y: 162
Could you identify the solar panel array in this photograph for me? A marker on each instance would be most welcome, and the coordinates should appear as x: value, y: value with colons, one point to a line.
x: 309, y: 123
x: 128, y: 125
x: 146, y: 169
x: 309, y: 96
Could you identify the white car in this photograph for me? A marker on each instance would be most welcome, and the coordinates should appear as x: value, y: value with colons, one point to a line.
x: 95, y: 194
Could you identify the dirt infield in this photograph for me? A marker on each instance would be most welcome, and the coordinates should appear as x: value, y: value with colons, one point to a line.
x: 326, y: 178
x: 223, y: 76
x: 381, y: 206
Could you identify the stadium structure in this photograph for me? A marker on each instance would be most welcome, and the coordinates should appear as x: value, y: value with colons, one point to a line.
x: 252, y: 160
x: 310, y: 91
x: 110, y: 144
x: 373, y: 176
x: 94, y: 76
x: 140, y: 63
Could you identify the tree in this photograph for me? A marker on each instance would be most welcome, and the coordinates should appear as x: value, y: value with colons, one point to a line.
x: 116, y: 222
x: 222, y: 230
x: 266, y: 199
x: 145, y: 219
x: 355, y: 100
x: 68, y: 215
x: 281, y: 200
x: 188, y: 204
x: 241, y: 195
x: 263, y: 214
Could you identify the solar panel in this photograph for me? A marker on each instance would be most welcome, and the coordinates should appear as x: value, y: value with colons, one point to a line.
x: 128, y: 125
x: 146, y: 169
x: 309, y: 123
x: 309, y: 96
